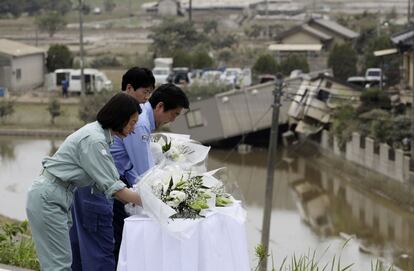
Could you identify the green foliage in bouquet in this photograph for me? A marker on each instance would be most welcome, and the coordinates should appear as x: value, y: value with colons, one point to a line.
x: 223, y: 200
x: 166, y: 147
x: 194, y: 198
x: 188, y: 195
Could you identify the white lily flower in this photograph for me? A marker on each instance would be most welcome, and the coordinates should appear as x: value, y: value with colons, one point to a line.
x: 177, y: 198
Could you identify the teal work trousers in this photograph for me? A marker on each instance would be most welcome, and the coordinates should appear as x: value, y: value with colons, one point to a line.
x: 48, y: 210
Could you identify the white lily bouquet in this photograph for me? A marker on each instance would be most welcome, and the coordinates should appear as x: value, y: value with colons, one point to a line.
x: 168, y: 149
x: 188, y: 195
x: 171, y: 193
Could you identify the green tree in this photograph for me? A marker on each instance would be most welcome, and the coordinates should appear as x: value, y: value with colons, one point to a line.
x: 344, y: 124
x: 225, y: 55
x: 89, y: 105
x: 6, y: 108
x: 379, y: 43
x: 105, y: 61
x: 109, y: 5
x: 58, y: 56
x: 343, y: 59
x: 60, y: 6
x: 199, y: 91
x: 372, y: 99
x: 13, y: 7
x: 172, y: 34
x: 210, y: 26
x: 201, y: 59
x: 293, y: 62
x: 54, y: 110
x: 390, y: 63
x: 182, y: 58
x: 222, y: 41
x: 265, y: 64
x: 253, y: 31
x: 50, y: 22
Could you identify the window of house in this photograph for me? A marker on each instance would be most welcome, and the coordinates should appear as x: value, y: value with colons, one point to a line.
x: 323, y: 95
x: 18, y: 74
x: 194, y: 118
x: 328, y: 84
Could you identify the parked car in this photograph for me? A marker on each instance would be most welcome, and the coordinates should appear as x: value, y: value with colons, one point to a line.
x: 263, y: 78
x: 374, y: 74
x: 161, y: 74
x: 211, y: 76
x: 231, y: 76
x: 179, y: 76
x: 357, y: 81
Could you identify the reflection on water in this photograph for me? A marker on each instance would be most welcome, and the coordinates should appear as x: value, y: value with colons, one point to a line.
x: 6, y: 152
x: 314, y: 208
x: 20, y: 164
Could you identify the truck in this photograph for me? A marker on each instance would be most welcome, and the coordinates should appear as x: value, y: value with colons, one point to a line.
x: 95, y: 80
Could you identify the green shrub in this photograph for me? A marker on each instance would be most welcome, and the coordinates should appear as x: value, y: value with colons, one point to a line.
x: 343, y: 60
x: 294, y: 62
x: 200, y: 91
x: 266, y: 63
x: 105, y: 61
x: 6, y: 108
x: 90, y: 105
x: 17, y: 247
x: 58, y: 56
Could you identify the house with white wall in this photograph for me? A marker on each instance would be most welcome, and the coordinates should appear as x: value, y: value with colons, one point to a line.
x: 22, y: 67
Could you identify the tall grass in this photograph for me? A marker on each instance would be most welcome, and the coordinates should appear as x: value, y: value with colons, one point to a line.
x: 17, y: 247
x: 309, y: 262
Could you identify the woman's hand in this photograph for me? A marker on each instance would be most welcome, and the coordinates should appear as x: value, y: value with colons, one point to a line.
x: 127, y: 195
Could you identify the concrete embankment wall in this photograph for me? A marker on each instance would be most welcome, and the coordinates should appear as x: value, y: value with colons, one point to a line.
x: 378, y: 157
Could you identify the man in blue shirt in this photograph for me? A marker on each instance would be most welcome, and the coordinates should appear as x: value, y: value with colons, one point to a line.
x: 92, y: 233
x: 164, y: 105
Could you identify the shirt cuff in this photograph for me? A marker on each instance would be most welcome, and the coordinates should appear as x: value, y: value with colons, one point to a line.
x: 118, y: 185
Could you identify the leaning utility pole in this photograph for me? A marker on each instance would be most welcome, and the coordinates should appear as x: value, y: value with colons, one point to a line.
x: 277, y: 92
x: 190, y: 11
x: 81, y: 47
x: 267, y: 20
x: 412, y: 110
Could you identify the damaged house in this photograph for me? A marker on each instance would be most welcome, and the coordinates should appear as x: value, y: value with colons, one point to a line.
x: 315, y: 100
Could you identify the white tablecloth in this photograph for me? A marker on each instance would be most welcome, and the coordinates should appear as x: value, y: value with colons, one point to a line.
x: 217, y: 244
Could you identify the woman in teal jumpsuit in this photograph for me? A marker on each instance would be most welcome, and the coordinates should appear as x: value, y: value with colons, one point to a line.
x: 83, y: 159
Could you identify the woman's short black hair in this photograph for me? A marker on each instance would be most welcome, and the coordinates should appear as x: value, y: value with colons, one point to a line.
x: 171, y: 95
x: 116, y: 113
x: 138, y: 78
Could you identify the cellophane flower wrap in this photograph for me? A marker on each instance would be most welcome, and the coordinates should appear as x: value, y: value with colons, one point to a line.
x: 177, y: 192
x: 168, y: 149
x: 177, y: 198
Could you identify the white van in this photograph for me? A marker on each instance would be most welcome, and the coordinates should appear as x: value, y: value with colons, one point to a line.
x: 95, y: 80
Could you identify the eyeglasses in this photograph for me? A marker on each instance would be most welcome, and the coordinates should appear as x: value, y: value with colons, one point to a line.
x: 146, y: 91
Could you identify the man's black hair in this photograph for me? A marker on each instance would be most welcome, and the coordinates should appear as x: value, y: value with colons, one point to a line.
x: 171, y: 95
x: 138, y: 78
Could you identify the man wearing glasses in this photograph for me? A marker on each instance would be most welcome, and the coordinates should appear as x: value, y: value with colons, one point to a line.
x: 98, y: 221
